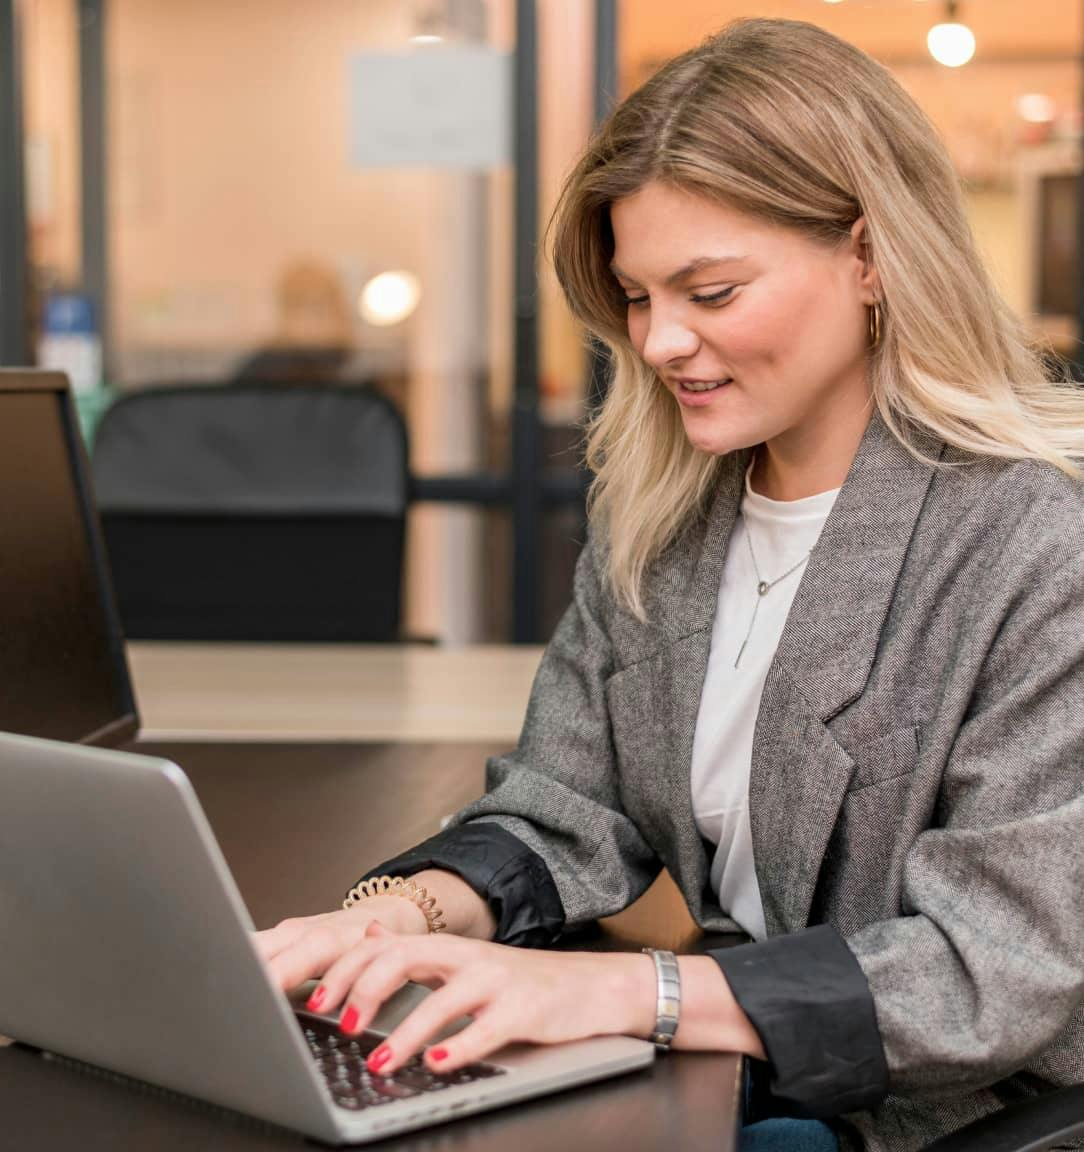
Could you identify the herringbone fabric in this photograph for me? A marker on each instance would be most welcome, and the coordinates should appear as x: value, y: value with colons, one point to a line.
x: 918, y: 767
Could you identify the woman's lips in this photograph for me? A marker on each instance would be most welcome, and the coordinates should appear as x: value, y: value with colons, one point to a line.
x: 696, y: 393
x: 703, y: 385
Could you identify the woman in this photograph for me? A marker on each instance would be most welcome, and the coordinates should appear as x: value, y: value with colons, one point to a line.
x: 823, y: 659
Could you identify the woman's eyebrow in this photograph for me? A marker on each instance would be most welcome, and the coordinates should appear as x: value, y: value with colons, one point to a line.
x: 694, y: 267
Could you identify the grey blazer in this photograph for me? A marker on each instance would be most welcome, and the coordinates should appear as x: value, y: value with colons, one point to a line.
x: 916, y: 797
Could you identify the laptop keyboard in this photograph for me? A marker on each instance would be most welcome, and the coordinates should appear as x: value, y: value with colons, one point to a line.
x: 341, y: 1061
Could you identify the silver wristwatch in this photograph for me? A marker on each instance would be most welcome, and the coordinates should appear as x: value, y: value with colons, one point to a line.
x: 668, y: 1001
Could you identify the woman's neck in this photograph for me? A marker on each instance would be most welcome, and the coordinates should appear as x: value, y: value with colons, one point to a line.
x: 802, y: 463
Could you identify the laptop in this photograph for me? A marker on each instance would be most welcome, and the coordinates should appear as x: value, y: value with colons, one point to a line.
x: 128, y: 947
x: 63, y: 670
x: 133, y: 951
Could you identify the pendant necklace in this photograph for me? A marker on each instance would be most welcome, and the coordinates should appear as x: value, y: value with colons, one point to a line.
x: 763, y: 586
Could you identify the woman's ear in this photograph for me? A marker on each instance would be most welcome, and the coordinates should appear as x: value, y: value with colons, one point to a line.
x: 862, y: 250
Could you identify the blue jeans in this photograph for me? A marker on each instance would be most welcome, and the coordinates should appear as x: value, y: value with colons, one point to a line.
x: 788, y: 1136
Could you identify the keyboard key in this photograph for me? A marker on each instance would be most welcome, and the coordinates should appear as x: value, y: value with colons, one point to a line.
x: 419, y: 1078
x: 389, y: 1086
x: 341, y: 1063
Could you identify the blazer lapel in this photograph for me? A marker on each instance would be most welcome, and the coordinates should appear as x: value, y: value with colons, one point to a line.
x: 683, y: 601
x: 799, y: 772
x: 830, y: 639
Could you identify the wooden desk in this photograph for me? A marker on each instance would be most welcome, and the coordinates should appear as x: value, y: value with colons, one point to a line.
x: 318, y: 695
x: 273, y: 692
x: 682, y: 1102
x: 298, y: 823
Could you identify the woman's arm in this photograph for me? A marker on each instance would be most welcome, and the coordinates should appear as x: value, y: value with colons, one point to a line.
x: 550, y: 842
x: 985, y: 972
x: 711, y: 1018
x: 465, y: 912
x: 979, y: 974
x: 519, y: 995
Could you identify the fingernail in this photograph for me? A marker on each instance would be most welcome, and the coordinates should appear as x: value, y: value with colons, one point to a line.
x: 438, y: 1053
x: 378, y: 1058
x: 349, y: 1021
x: 316, y: 999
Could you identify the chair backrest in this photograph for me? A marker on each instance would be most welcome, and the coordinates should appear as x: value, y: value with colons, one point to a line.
x: 254, y: 512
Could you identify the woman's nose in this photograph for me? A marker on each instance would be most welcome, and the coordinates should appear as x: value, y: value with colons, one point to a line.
x: 668, y: 339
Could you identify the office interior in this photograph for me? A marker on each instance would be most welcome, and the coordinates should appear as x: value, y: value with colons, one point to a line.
x: 190, y: 170
x: 188, y: 205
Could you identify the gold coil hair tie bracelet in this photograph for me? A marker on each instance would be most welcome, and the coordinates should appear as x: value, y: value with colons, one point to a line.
x: 397, y: 886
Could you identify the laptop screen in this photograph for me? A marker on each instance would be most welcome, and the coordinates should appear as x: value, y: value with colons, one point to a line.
x: 63, y: 672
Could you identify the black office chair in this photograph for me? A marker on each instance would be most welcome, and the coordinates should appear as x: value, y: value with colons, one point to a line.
x: 1052, y: 1120
x: 254, y: 512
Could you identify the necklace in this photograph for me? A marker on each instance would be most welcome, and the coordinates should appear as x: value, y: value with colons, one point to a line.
x: 763, y: 586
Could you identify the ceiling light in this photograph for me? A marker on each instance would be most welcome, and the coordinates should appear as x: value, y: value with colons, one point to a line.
x: 951, y: 43
x: 1036, y: 108
x: 389, y: 298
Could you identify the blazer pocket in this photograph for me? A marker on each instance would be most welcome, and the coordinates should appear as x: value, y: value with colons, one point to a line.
x: 888, y: 757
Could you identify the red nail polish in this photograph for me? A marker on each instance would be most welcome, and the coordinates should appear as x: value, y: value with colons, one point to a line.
x: 349, y: 1021
x: 379, y: 1058
x: 438, y: 1053
x: 316, y: 999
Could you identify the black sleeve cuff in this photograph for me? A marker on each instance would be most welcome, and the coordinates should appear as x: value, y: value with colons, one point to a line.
x: 513, y: 879
x: 809, y: 1001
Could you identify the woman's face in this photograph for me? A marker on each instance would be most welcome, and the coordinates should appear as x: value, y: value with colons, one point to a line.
x: 759, y: 333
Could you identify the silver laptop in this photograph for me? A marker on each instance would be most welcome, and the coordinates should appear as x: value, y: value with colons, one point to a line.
x: 126, y: 945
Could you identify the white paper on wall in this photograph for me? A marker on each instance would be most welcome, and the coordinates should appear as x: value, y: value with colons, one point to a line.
x: 445, y: 106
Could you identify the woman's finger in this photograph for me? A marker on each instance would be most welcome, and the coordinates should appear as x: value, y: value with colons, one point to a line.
x: 387, y: 966
x: 491, y: 1029
x: 311, y: 954
x: 271, y: 941
x: 430, y: 982
x: 341, y: 975
x: 456, y: 999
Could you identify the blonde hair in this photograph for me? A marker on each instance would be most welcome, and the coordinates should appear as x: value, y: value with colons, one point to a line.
x: 783, y: 120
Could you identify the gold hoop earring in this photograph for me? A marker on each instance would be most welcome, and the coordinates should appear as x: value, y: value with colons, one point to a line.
x: 875, y: 324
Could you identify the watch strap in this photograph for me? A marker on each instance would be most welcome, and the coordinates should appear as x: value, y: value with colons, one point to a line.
x: 668, y: 998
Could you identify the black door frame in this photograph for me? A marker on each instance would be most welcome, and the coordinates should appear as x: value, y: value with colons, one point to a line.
x: 14, y: 291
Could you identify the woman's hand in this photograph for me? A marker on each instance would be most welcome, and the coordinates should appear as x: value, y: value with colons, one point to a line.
x: 513, y: 994
x: 305, y: 947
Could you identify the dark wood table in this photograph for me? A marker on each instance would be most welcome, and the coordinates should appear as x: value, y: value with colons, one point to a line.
x: 300, y: 823
x: 297, y: 825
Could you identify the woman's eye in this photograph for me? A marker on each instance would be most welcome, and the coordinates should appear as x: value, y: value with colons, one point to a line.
x: 633, y: 301
x: 713, y: 297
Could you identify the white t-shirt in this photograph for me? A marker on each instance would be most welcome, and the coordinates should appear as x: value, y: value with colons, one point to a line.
x: 783, y: 532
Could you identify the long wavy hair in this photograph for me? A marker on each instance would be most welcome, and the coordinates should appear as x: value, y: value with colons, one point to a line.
x: 784, y: 121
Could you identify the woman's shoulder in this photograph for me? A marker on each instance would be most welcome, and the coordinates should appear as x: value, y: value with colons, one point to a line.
x: 1027, y: 506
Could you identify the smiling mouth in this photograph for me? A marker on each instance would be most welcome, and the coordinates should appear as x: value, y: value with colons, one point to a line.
x: 703, y: 385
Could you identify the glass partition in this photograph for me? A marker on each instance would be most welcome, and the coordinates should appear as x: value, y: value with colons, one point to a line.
x: 254, y: 230
x: 246, y: 236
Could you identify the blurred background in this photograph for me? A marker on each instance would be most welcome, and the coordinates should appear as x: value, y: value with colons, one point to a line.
x: 203, y: 192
